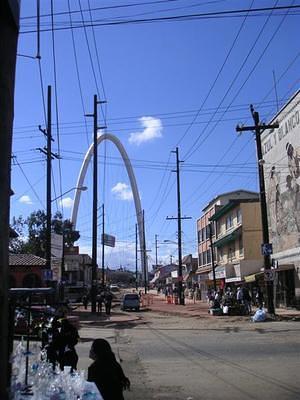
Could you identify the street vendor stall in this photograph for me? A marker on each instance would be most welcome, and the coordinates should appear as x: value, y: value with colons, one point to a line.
x: 31, y: 375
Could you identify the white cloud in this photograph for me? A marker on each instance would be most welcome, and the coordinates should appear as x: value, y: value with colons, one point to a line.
x: 25, y: 200
x: 152, y: 130
x: 67, y: 202
x: 122, y: 191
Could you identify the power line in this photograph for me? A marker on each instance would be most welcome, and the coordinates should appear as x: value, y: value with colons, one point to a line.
x: 186, y: 17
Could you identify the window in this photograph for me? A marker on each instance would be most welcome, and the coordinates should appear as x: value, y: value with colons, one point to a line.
x: 204, y: 258
x: 220, y: 254
x: 203, y: 234
x: 208, y: 256
x: 239, y: 216
x: 231, y: 252
x: 241, y: 247
x: 229, y: 221
x: 200, y: 259
x: 199, y: 236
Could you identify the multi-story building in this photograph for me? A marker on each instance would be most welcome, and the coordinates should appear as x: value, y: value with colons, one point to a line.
x: 281, y: 162
x: 77, y: 267
x: 203, y: 232
x: 238, y: 239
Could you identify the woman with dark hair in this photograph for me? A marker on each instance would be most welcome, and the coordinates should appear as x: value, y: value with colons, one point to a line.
x: 106, y: 372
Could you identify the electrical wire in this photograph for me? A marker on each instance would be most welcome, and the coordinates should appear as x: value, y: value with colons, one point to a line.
x: 56, y: 105
x: 186, y: 17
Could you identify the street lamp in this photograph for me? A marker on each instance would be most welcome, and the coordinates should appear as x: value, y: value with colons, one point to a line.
x: 82, y: 188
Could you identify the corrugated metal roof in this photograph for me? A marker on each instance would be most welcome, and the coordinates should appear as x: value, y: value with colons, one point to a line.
x: 26, y: 260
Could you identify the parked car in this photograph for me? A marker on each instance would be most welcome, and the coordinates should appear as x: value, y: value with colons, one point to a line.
x: 130, y: 301
x: 114, y: 288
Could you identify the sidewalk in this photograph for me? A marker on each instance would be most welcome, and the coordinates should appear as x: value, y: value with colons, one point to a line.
x: 200, y: 309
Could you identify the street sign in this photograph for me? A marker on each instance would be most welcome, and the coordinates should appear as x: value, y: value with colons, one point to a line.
x: 108, y: 240
x: 269, y: 275
x: 266, y: 249
x: 47, y: 274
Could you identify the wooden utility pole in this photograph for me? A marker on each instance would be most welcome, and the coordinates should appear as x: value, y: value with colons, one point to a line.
x: 136, y: 257
x: 179, y: 218
x: 258, y: 128
x: 49, y: 159
x: 103, y: 246
x: 95, y: 201
x: 9, y: 27
x: 212, y: 255
x: 156, y: 236
x: 145, y: 255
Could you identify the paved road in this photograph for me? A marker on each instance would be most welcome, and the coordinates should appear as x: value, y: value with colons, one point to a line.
x: 168, y: 357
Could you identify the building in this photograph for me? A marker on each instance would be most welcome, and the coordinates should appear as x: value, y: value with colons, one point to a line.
x: 238, y: 238
x: 77, y: 267
x: 203, y: 234
x: 189, y: 268
x: 26, y: 270
x: 281, y: 157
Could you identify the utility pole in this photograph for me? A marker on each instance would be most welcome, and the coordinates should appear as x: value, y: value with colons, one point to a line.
x: 171, y: 259
x: 156, y: 236
x: 49, y: 157
x: 9, y: 29
x: 144, y: 255
x: 95, y: 201
x: 136, y: 257
x: 179, y: 218
x: 258, y: 128
x: 48, y: 191
x: 103, y: 247
x: 212, y: 255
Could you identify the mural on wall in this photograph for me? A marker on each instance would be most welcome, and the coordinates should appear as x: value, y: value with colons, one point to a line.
x: 281, y: 153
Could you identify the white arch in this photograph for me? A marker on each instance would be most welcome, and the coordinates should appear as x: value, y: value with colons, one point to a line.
x: 136, y: 197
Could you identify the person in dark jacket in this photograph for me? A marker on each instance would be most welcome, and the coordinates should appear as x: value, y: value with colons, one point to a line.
x: 106, y: 372
x: 68, y: 339
x: 107, y: 301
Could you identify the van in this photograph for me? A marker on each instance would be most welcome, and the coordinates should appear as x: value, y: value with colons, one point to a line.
x: 130, y: 301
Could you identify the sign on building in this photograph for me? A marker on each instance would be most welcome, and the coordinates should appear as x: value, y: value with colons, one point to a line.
x: 281, y: 154
x: 108, y: 240
x: 56, y: 245
x: 266, y: 249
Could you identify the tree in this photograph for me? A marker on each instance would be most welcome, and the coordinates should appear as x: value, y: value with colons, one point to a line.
x: 32, y: 232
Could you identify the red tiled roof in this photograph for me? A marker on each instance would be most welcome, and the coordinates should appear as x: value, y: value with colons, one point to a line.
x: 26, y: 260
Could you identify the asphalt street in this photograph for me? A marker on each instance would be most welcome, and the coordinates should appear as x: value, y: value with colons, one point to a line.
x: 171, y: 357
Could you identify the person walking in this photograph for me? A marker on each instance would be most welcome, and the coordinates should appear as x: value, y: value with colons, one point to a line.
x: 68, y: 339
x: 107, y: 301
x: 99, y: 300
x: 106, y: 372
x: 85, y: 301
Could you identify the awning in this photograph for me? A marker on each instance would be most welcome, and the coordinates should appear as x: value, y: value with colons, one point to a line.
x: 252, y: 277
x: 284, y: 267
x: 228, y: 238
x: 204, y: 270
x: 154, y: 279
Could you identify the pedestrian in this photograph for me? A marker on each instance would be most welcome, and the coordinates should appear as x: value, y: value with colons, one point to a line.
x: 107, y: 301
x: 239, y: 295
x: 68, y: 339
x: 85, y: 301
x: 106, y: 372
x: 247, y: 300
x: 99, y: 300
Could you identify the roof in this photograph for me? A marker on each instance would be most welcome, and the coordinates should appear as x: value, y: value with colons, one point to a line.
x: 229, y: 206
x: 26, y: 260
x: 219, y: 196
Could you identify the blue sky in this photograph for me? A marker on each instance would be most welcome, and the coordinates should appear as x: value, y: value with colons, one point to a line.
x: 167, y: 84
